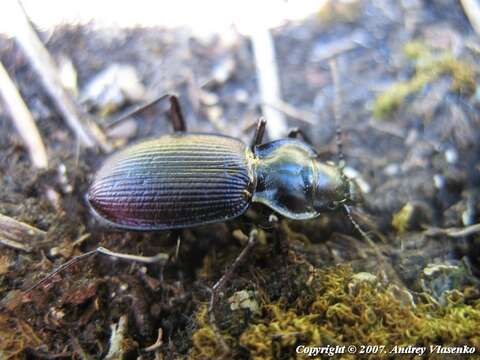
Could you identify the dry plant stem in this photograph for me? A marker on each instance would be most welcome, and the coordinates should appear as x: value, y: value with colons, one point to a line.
x: 157, y: 343
x: 23, y: 120
x: 454, y: 232
x: 268, y: 82
x: 19, y: 235
x: 45, y: 67
x: 472, y: 10
x: 26, y: 127
x: 336, y: 110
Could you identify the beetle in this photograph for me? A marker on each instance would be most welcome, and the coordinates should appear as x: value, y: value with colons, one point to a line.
x: 188, y: 179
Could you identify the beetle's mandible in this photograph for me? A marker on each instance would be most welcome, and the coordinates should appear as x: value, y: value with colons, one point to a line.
x: 187, y: 179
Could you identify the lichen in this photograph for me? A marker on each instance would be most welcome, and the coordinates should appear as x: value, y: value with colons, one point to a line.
x: 429, y: 66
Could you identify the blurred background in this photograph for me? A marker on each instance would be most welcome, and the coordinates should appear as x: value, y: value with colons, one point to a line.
x: 399, y: 77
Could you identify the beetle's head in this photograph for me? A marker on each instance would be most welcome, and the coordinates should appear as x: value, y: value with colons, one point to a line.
x: 333, y: 189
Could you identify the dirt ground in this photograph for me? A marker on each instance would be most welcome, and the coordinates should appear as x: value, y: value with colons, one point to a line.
x: 409, y: 109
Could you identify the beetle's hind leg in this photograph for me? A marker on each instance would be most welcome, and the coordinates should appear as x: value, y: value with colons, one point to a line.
x: 220, y: 284
x: 160, y: 258
x: 175, y: 112
x: 176, y: 116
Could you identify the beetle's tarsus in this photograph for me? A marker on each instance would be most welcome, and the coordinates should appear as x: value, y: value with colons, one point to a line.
x: 220, y: 284
x: 137, y: 110
x: 176, y: 115
x: 259, y: 132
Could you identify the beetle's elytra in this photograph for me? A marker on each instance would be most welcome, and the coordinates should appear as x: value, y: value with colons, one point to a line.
x: 187, y: 179
x: 173, y: 182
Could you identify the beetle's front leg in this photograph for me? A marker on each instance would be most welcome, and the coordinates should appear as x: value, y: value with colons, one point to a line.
x: 220, y: 284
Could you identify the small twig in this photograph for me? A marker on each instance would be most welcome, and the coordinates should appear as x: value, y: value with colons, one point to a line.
x: 387, y: 128
x: 157, y: 343
x: 453, y: 232
x: 19, y: 235
x: 25, y: 124
x: 89, y: 135
x: 268, y: 82
x: 472, y: 10
x: 117, y: 348
x: 23, y: 120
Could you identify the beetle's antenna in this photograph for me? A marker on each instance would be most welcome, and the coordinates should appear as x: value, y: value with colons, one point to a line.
x: 336, y: 112
x: 366, y: 237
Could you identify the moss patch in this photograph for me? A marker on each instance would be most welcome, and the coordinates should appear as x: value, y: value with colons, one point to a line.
x: 428, y: 67
x: 334, y: 308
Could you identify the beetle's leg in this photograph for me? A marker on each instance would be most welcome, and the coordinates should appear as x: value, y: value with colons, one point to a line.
x: 295, y: 133
x: 177, y: 236
x: 137, y: 110
x: 176, y: 115
x: 220, y: 284
x: 259, y: 132
x: 159, y: 258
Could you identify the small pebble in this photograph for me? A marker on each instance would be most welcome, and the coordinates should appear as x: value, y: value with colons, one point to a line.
x: 439, y: 181
x: 451, y: 156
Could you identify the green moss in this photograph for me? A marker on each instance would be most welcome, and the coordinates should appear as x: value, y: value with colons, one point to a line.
x: 402, y: 218
x: 429, y: 66
x: 208, y: 341
x: 339, y: 11
x: 364, y: 314
x: 300, y: 304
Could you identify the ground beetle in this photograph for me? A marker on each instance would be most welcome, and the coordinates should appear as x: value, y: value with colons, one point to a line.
x: 187, y: 179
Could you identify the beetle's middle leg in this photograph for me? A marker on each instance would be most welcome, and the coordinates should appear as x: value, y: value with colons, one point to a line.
x: 220, y: 284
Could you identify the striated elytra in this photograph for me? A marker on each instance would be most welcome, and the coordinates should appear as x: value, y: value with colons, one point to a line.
x: 187, y: 179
